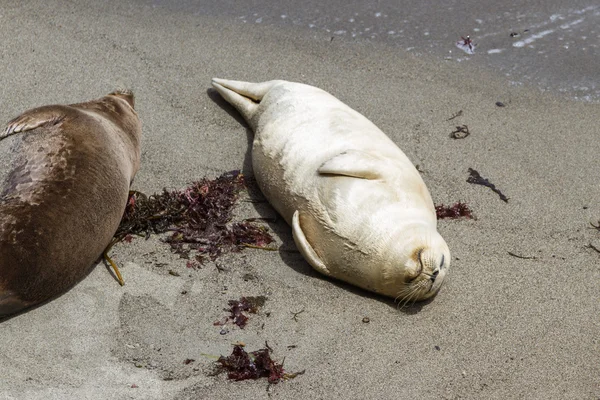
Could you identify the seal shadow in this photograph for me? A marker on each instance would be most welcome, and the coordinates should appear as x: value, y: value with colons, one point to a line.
x: 288, y: 251
x: 43, y: 303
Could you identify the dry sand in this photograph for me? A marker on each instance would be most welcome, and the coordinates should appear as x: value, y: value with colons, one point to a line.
x: 502, y: 327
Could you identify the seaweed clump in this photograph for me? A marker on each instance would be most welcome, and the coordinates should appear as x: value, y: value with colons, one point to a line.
x: 241, y: 365
x: 237, y: 307
x: 197, y: 218
x: 457, y: 210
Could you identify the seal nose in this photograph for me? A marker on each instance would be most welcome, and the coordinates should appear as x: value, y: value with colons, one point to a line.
x: 434, y: 275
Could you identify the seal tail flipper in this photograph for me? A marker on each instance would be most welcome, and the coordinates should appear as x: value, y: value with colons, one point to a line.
x: 32, y: 119
x: 305, y: 248
x: 244, y: 96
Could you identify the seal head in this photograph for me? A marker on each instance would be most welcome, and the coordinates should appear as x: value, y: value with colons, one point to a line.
x: 426, y: 262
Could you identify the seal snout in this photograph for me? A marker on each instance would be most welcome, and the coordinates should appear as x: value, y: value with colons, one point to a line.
x: 422, y: 262
x: 414, y: 266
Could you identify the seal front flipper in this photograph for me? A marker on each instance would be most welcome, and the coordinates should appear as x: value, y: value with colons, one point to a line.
x: 33, y: 119
x: 356, y: 164
x: 305, y: 248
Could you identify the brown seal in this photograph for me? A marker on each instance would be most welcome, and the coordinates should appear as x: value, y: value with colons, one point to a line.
x: 66, y: 171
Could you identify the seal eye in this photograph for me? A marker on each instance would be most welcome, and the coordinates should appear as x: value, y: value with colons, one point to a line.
x: 419, y: 254
x: 412, y: 274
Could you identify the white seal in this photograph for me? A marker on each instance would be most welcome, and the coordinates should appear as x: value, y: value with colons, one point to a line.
x: 358, y: 208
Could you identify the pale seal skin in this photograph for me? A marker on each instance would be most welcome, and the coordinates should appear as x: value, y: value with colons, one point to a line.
x: 65, y: 182
x: 358, y: 208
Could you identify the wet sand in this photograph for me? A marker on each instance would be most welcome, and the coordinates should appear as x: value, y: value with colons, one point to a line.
x: 501, y: 327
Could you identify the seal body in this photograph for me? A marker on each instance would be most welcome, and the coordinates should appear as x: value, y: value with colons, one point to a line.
x: 358, y: 208
x: 65, y: 180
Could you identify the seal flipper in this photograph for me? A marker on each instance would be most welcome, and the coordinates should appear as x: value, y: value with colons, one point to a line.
x: 305, y: 248
x: 32, y: 119
x: 356, y: 164
x: 244, y: 96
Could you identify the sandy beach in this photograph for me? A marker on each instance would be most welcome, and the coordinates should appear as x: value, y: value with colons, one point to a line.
x: 518, y: 317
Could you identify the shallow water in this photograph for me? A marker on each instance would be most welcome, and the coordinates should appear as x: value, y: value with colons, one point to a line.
x: 552, y: 45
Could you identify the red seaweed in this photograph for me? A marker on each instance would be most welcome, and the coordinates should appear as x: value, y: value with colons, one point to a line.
x: 197, y: 218
x: 457, y: 210
x: 237, y: 307
x: 242, y: 365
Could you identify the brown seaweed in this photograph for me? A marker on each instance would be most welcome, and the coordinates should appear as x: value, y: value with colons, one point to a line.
x: 241, y: 365
x: 197, y: 218
x: 460, y: 132
x: 457, y: 210
x: 520, y: 256
x: 455, y: 115
x: 477, y: 179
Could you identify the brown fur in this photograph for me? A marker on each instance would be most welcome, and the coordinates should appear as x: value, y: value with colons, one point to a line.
x: 64, y: 197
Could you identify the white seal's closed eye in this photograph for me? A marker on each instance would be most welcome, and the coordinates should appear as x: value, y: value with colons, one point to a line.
x: 358, y: 208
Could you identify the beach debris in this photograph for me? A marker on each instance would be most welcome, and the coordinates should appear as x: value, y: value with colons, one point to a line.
x: 188, y: 361
x: 500, y: 104
x: 591, y: 246
x: 457, y: 210
x: 466, y: 45
x: 366, y: 320
x: 461, y: 132
x: 295, y: 314
x: 477, y: 179
x: 455, y: 115
x: 515, y: 34
x: 241, y: 365
x: 238, y: 307
x: 523, y: 257
x: 109, y: 261
x: 197, y: 219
